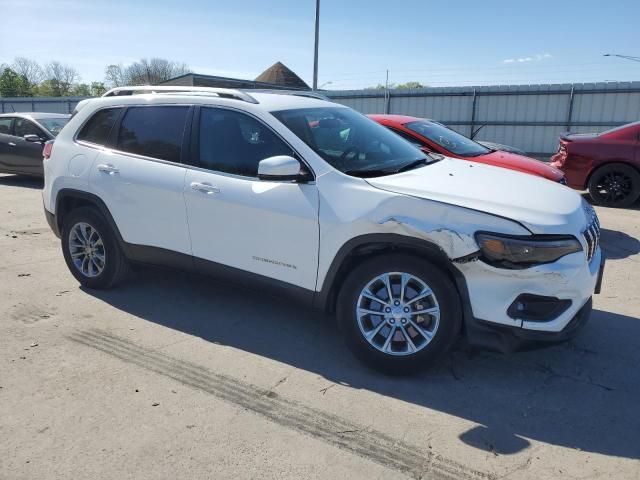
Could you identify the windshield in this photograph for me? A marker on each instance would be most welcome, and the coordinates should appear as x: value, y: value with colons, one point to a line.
x: 447, y: 138
x: 53, y: 125
x: 351, y: 142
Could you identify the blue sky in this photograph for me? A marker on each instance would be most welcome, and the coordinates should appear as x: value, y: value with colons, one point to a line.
x: 440, y: 43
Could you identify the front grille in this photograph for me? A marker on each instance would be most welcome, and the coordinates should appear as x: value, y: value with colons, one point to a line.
x: 592, y: 236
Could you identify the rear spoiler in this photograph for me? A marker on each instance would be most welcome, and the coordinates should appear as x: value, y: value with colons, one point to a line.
x: 565, y: 136
x: 80, y: 105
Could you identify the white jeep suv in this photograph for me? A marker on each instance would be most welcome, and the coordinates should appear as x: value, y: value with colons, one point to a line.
x: 304, y: 197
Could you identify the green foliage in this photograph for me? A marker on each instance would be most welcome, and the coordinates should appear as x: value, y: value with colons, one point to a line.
x: 13, y: 85
x: 25, y: 77
x: 97, y: 89
x: 410, y: 85
x: 394, y: 86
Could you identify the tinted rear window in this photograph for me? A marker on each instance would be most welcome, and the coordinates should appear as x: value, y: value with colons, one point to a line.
x: 98, y: 128
x: 153, y: 131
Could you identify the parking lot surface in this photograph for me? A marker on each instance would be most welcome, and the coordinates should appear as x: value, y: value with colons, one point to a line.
x: 177, y: 376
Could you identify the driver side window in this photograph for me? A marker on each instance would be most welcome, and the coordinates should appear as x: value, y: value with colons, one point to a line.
x: 24, y: 127
x: 233, y: 142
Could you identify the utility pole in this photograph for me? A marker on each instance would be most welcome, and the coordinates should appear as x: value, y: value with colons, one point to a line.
x: 315, y: 53
x: 387, y: 97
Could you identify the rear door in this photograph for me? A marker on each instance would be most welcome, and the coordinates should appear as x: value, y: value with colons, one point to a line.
x: 7, y: 143
x: 141, y: 178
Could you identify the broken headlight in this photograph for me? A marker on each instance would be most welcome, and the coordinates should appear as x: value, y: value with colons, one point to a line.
x: 508, y: 251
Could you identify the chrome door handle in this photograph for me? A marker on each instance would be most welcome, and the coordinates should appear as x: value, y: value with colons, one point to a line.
x: 11, y: 144
x: 108, y: 168
x: 204, y: 188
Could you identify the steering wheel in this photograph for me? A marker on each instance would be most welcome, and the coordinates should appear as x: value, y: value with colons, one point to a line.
x: 353, y: 150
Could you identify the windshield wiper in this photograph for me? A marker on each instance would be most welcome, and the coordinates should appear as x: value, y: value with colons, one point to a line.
x: 431, y: 158
x: 369, y: 173
x: 412, y: 165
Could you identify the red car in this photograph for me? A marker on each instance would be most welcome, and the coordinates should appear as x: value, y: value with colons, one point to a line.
x: 607, y: 164
x: 433, y: 136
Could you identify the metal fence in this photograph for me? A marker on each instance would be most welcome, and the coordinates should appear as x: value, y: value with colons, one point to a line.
x: 39, y: 104
x: 529, y: 117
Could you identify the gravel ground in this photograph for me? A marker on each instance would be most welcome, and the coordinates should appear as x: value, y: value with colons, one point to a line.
x: 177, y: 376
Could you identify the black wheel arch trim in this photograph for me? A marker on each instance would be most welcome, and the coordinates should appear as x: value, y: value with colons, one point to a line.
x: 69, y: 193
x: 325, y: 298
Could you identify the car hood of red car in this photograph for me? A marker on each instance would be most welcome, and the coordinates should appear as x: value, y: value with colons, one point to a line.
x: 517, y: 162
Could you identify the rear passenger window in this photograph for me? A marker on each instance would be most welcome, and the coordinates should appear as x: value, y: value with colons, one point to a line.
x: 153, y: 131
x: 98, y: 128
x: 235, y: 143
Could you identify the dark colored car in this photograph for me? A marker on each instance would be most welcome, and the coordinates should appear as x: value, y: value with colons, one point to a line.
x: 22, y: 137
x: 432, y: 136
x: 607, y: 164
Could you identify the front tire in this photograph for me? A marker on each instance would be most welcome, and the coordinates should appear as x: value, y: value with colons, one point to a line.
x: 91, y: 249
x: 615, y: 185
x: 399, y: 313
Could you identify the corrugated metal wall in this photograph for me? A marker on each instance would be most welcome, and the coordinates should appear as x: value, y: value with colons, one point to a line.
x: 39, y: 104
x: 529, y: 117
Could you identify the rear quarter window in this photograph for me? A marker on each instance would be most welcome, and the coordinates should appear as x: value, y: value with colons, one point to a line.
x: 98, y: 129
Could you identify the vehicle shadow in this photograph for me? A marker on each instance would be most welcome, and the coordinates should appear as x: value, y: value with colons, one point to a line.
x: 618, y: 245
x: 24, y: 181
x: 581, y: 395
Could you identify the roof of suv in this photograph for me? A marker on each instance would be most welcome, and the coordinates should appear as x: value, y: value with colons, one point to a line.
x: 266, y: 99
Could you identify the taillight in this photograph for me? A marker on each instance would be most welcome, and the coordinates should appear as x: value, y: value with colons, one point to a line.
x: 46, y: 151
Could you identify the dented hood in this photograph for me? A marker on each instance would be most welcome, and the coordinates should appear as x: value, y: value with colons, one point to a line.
x: 540, y: 205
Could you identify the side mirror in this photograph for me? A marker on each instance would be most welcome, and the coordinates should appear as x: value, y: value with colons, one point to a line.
x: 283, y: 168
x: 33, y: 138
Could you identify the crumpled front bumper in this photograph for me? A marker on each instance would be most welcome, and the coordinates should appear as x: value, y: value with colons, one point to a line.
x: 505, y: 339
x: 492, y: 291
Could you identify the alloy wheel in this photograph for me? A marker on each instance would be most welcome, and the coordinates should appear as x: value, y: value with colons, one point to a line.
x: 398, y: 313
x: 614, y: 187
x: 87, y: 250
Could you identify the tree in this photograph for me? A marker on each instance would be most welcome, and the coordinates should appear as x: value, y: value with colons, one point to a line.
x: 114, y: 75
x: 97, y: 89
x: 12, y: 84
x: 81, y: 90
x: 144, y: 72
x: 395, y: 86
x: 410, y: 85
x: 60, y: 78
x: 29, y: 69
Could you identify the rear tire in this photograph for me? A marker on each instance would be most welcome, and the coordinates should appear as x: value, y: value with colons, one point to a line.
x: 615, y: 185
x: 91, y: 249
x: 408, y: 331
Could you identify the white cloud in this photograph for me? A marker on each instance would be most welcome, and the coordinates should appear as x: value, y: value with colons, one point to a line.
x: 536, y: 58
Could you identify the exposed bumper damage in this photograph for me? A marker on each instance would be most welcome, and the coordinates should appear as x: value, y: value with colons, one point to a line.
x: 509, y: 339
x: 492, y: 291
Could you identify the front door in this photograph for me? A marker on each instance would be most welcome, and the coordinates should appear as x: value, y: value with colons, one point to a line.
x: 268, y: 228
x: 28, y: 155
